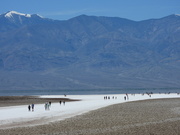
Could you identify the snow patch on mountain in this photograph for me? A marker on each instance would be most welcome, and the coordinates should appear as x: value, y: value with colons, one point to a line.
x: 11, y: 13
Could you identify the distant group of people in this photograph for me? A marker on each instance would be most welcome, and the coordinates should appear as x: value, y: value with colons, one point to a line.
x: 60, y: 102
x: 47, y: 105
x: 31, y: 107
x: 108, y: 97
x: 126, y: 97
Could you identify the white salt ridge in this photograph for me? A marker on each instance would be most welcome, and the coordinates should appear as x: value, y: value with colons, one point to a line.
x: 15, y: 115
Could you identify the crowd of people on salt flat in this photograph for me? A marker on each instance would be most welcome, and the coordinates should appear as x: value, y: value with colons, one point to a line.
x: 47, y: 105
x: 126, y: 98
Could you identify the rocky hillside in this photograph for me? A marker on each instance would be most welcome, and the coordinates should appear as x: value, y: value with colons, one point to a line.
x: 88, y: 52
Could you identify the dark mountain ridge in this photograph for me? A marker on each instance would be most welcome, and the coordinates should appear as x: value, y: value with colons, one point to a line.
x: 88, y: 52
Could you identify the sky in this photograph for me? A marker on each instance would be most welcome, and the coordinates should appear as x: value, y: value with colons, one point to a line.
x: 136, y: 10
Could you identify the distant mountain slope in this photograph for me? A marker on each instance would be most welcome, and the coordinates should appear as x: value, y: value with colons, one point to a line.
x: 88, y: 52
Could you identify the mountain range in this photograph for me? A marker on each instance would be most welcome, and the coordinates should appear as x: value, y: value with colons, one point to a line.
x: 88, y: 52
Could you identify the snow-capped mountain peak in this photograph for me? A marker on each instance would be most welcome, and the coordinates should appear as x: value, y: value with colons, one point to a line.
x: 11, y: 13
x: 16, y: 19
x: 21, y: 18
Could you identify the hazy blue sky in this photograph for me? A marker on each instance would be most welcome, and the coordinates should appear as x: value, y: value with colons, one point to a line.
x: 65, y: 9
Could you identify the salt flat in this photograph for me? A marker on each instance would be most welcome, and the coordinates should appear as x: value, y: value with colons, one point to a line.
x: 19, y: 116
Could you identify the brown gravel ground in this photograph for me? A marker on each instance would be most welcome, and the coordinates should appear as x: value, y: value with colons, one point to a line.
x: 149, y: 117
x: 25, y: 100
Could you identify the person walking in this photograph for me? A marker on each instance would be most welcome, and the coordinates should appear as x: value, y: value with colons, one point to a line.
x: 48, y: 106
x: 32, y: 107
x: 127, y: 97
x: 49, y: 103
x: 45, y: 106
x: 29, y: 107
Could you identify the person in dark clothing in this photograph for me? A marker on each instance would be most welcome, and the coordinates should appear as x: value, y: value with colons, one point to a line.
x: 29, y: 107
x: 50, y: 103
x: 60, y: 102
